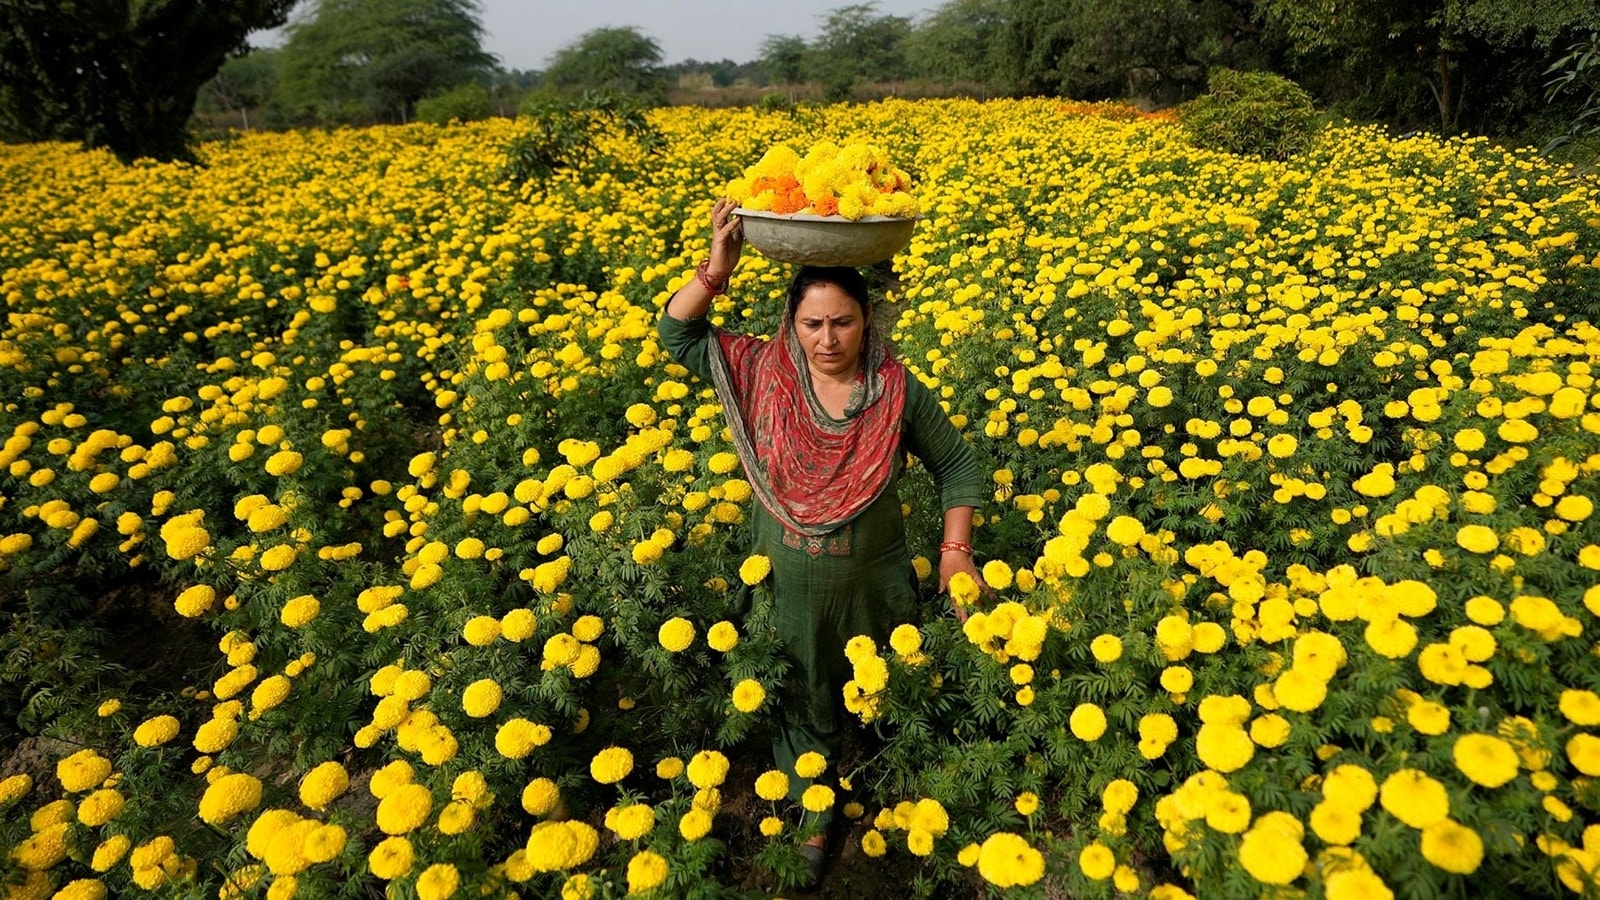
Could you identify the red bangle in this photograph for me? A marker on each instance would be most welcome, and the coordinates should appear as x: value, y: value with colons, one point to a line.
x: 705, y: 280
x: 961, y: 546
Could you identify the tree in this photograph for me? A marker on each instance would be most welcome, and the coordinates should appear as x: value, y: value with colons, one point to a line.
x: 1156, y: 49
x: 783, y: 58
x: 856, y: 44
x: 963, y: 40
x: 1443, y: 51
x: 119, y: 74
x: 620, y: 60
x: 372, y: 60
x: 242, y: 84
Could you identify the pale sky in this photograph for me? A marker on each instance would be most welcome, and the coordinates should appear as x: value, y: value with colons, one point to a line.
x: 524, y: 34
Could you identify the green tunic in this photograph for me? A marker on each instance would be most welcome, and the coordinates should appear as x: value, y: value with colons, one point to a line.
x: 853, y: 581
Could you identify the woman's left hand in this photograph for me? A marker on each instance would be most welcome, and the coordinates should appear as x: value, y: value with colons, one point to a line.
x: 949, y: 564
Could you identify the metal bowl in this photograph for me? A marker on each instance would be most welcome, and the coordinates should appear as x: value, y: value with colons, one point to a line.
x: 811, y: 240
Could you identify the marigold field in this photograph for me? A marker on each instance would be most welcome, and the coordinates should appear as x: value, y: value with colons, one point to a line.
x: 1293, y: 539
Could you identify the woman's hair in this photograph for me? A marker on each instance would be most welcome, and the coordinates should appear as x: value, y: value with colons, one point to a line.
x: 843, y: 277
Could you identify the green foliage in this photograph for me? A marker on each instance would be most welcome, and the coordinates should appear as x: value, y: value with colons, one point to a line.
x: 467, y: 103
x: 1252, y: 114
x: 1577, y: 72
x: 1451, y: 64
x: 619, y: 61
x: 857, y: 45
x: 242, y: 84
x: 361, y: 61
x: 963, y: 40
x: 566, y: 133
x: 772, y: 101
x: 783, y: 57
x: 120, y: 75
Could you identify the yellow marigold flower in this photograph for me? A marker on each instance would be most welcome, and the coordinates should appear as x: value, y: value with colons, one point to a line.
x: 818, y: 798
x: 540, y: 796
x: 1125, y: 530
x: 110, y: 852
x: 676, y: 634
x: 229, y: 796
x: 1452, y: 847
x: 631, y: 822
x: 81, y: 889
x: 963, y: 589
x: 646, y: 871
x: 755, y: 569
x: 1107, y: 648
x: 1027, y: 803
x: 588, y: 628
x: 1428, y: 717
x: 518, y: 625
x: 392, y: 858
x: 1223, y: 747
x: 1227, y: 811
x: 516, y: 738
x: 1008, y: 860
x: 1583, y: 750
x: 437, y: 882
x: 481, y: 631
x: 1574, y: 508
x: 1335, y: 823
x: 695, y: 824
x: 1580, y: 707
x: 1486, y: 759
x: 215, y: 735
x: 270, y: 693
x: 1299, y: 690
x: 323, y: 784
x: 195, y: 601
x: 772, y: 785
x: 1414, y: 798
x: 611, y: 765
x: 748, y: 695
x: 405, y: 809
x: 810, y: 764
x: 481, y: 698
x: 13, y: 788
x: 44, y: 849
x: 187, y: 542
x: 647, y: 552
x: 1088, y: 722
x: 154, y: 731
x: 1271, y: 850
x: 1350, y: 786
x: 83, y: 771
x: 1477, y: 538
x: 299, y: 612
x: 1097, y: 861
x: 284, y: 462
x: 722, y: 637
x: 100, y: 807
x: 278, y: 558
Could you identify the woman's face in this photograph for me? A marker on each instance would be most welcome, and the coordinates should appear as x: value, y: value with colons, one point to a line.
x: 830, y: 327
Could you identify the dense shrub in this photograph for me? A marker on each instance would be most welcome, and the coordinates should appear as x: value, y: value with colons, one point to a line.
x: 1251, y: 114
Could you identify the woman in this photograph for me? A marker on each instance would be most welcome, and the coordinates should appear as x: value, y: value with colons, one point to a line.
x: 821, y: 417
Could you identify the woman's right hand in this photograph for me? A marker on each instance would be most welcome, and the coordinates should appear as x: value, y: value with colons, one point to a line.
x: 727, y: 240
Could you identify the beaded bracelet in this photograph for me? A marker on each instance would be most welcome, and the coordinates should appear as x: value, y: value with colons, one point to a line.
x: 705, y: 280
x: 960, y: 546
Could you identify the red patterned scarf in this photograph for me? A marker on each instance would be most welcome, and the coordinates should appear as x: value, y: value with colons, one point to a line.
x: 813, y: 472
